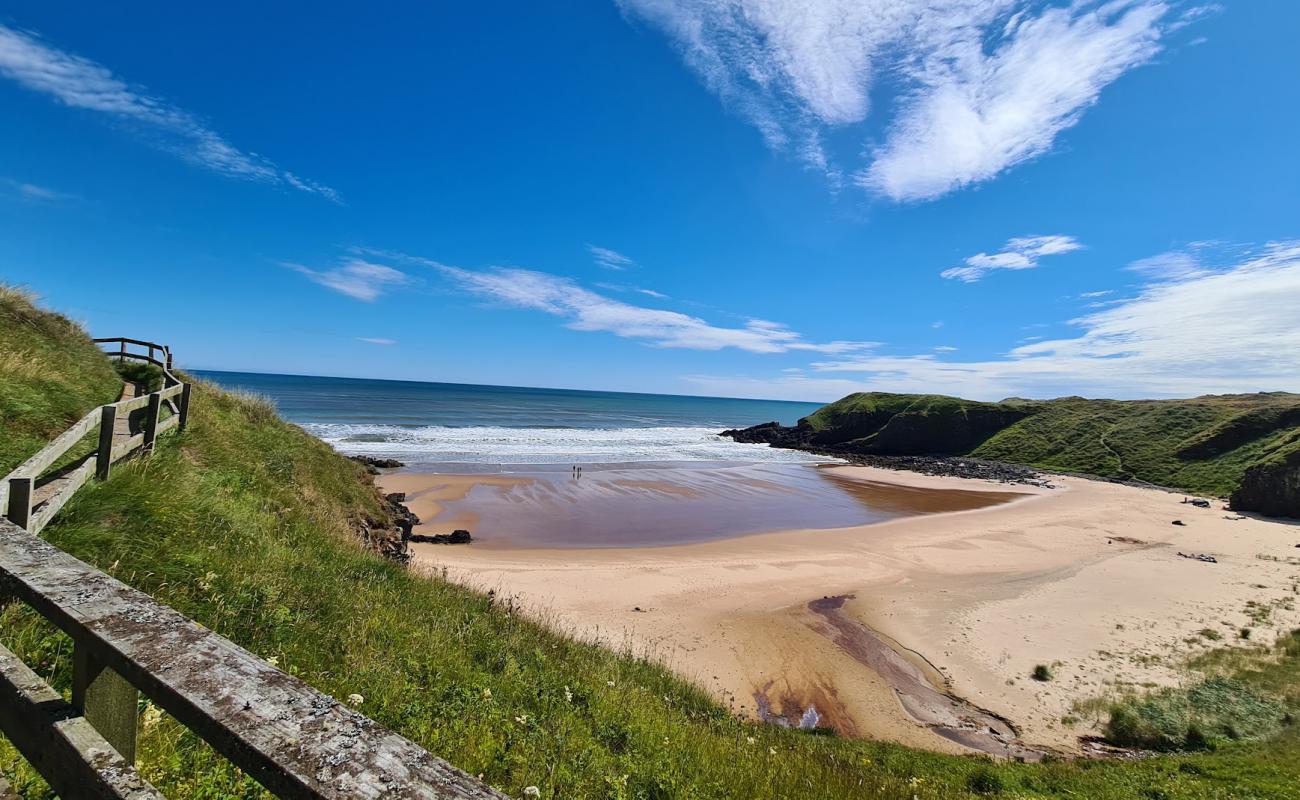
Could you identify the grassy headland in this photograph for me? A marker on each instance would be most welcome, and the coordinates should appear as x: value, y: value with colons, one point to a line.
x: 247, y: 524
x: 1203, y: 444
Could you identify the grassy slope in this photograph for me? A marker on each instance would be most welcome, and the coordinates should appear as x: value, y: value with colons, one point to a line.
x: 1201, y: 445
x: 242, y: 523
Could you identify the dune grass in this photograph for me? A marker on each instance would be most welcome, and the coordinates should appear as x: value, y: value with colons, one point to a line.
x: 245, y: 524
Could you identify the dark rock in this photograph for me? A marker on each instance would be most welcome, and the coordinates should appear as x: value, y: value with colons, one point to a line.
x: 802, y: 437
x: 458, y: 536
x: 396, y: 497
x: 1271, y: 487
x: 373, y: 465
x: 1178, y: 522
x: 1199, y: 503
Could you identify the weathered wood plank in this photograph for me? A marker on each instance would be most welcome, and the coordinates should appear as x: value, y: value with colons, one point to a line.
x: 127, y: 406
x: 34, y: 466
x: 122, y: 448
x: 298, y: 742
x: 70, y: 483
x: 59, y: 743
x: 168, y: 424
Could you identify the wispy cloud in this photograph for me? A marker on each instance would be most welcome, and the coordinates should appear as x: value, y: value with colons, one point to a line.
x: 610, y: 259
x: 585, y: 310
x: 32, y: 192
x: 943, y: 348
x: 618, y: 287
x: 985, y: 84
x: 81, y: 83
x: 354, y: 277
x: 1218, y: 329
x: 1019, y: 253
x: 376, y: 340
x: 1101, y: 293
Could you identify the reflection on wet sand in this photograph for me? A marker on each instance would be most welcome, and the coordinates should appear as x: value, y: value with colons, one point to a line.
x: 649, y: 505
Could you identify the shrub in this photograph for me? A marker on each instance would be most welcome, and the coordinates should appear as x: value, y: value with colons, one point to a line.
x: 1041, y: 673
x: 1195, y: 718
x: 985, y: 781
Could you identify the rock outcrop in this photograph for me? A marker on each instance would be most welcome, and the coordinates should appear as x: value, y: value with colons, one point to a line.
x: 1271, y: 487
x: 373, y: 465
x: 458, y: 536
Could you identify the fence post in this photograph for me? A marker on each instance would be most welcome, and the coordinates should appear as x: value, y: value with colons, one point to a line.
x: 20, y: 501
x: 106, y: 699
x: 185, y: 407
x: 151, y: 421
x: 104, y: 458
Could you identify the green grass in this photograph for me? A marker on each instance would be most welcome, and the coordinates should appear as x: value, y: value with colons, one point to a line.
x: 245, y: 523
x: 1201, y: 445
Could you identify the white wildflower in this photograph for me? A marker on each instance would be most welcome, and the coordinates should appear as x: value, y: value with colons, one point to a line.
x: 355, y: 699
x: 487, y: 693
x: 568, y: 695
x: 152, y: 715
x: 273, y: 661
x: 532, y: 791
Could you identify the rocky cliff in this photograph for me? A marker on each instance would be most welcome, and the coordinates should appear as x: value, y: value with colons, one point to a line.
x: 1272, y: 486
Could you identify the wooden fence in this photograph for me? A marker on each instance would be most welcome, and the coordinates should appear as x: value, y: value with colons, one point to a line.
x: 296, y: 741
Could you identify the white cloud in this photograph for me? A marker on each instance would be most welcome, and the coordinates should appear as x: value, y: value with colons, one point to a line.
x: 376, y: 340
x: 1172, y: 266
x: 585, y: 310
x: 618, y: 287
x: 1102, y: 293
x: 1233, y: 329
x: 985, y: 84
x: 355, y: 277
x: 80, y: 83
x: 943, y: 348
x: 1021, y: 252
x: 610, y: 259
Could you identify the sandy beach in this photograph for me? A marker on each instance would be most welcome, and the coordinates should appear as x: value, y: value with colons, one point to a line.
x: 923, y: 628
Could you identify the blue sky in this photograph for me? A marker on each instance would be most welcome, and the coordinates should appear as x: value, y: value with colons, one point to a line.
x: 748, y: 198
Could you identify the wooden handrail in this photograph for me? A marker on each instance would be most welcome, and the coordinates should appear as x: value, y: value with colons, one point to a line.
x: 296, y: 741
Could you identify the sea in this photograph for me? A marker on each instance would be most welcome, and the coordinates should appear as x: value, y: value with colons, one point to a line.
x: 448, y: 424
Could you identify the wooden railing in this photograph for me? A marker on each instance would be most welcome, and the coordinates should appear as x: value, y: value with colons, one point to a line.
x: 296, y: 741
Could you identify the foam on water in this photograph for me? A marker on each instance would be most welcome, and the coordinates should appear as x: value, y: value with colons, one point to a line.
x: 509, y: 445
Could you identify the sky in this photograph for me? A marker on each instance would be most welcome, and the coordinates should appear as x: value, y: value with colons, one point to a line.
x: 753, y: 198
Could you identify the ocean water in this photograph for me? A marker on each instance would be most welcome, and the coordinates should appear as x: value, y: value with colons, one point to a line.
x: 450, y: 424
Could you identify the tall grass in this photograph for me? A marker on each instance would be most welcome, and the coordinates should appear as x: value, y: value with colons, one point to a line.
x: 245, y: 524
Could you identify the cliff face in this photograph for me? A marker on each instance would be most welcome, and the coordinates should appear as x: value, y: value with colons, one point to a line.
x: 1271, y: 487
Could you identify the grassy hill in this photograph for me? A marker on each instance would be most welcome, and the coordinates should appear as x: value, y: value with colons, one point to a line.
x: 248, y: 525
x: 1203, y: 445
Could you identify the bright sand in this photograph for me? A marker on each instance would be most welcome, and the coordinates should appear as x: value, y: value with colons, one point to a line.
x: 1084, y: 578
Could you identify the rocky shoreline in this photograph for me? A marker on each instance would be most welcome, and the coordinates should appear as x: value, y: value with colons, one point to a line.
x: 796, y: 438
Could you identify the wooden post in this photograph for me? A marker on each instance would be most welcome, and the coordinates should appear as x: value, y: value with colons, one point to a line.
x: 185, y: 407
x: 151, y: 421
x: 106, y: 700
x: 20, y: 501
x: 104, y: 458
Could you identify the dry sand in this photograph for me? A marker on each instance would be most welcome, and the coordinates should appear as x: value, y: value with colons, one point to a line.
x: 1084, y: 578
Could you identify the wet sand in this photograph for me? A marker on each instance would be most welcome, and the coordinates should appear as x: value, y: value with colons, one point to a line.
x: 652, y: 505
x: 921, y: 629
